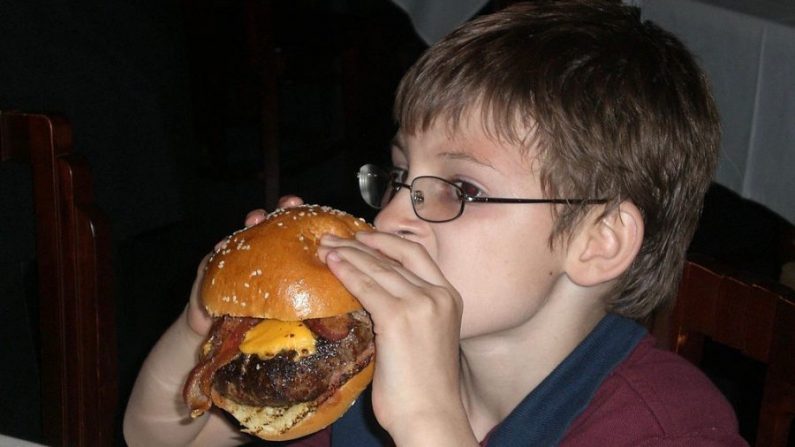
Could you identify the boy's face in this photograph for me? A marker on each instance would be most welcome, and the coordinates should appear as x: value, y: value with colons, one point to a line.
x: 496, y: 255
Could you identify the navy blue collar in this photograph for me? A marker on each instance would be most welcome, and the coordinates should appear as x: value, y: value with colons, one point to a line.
x: 545, y: 414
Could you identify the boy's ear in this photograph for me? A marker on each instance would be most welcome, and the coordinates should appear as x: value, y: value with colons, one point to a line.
x: 603, y: 249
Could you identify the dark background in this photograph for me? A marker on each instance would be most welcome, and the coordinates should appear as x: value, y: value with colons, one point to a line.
x: 174, y: 103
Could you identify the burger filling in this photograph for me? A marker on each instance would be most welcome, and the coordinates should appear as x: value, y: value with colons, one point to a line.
x: 300, y: 372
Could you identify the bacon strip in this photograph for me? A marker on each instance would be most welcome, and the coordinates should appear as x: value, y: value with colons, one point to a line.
x: 225, y: 337
x: 332, y: 328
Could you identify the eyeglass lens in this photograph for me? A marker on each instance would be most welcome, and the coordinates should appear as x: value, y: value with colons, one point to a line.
x: 375, y: 186
x: 432, y: 198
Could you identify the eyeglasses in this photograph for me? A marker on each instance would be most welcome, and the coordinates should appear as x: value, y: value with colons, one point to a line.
x: 433, y: 199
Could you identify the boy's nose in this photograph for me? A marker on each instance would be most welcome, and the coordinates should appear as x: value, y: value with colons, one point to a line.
x: 398, y: 216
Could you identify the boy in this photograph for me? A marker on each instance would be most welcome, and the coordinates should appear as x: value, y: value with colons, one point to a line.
x: 512, y: 323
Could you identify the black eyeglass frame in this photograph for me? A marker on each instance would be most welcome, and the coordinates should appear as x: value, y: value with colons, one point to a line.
x: 367, y: 170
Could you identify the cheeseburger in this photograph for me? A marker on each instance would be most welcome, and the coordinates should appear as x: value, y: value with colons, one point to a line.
x: 290, y: 348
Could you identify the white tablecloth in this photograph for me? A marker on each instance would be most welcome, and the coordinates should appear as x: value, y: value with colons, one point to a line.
x: 8, y: 441
x: 748, y: 49
x: 433, y: 19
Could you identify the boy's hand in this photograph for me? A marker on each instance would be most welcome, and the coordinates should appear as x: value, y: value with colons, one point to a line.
x: 198, y: 319
x: 256, y: 216
x: 416, y: 315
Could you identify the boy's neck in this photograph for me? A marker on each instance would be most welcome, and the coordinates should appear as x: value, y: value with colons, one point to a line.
x: 499, y: 370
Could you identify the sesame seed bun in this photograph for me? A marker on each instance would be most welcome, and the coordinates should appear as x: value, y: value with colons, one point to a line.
x: 271, y: 270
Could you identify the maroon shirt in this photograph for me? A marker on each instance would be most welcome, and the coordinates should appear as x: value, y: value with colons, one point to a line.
x: 653, y: 398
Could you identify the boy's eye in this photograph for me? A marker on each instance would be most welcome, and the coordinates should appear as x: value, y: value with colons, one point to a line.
x: 397, y: 174
x: 468, y: 188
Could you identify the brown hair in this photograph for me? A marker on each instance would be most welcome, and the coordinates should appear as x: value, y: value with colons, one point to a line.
x: 618, y: 108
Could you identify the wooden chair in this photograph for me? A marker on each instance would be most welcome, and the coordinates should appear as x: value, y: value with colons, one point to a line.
x: 755, y: 317
x: 78, y: 343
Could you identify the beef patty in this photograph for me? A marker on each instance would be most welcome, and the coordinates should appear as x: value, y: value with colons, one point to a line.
x: 285, y: 380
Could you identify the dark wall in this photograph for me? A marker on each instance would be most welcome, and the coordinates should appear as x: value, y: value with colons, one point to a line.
x: 116, y: 70
x: 167, y: 101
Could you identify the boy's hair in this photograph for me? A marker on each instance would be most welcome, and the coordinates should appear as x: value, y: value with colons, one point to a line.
x: 618, y: 108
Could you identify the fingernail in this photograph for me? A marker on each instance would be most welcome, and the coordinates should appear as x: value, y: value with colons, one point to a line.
x: 333, y: 256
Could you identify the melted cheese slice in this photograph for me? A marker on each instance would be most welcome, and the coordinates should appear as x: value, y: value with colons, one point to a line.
x: 270, y: 337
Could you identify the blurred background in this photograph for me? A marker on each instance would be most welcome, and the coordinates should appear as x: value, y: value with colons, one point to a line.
x: 192, y: 113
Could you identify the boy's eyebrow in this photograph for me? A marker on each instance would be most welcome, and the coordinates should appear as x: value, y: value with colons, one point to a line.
x: 458, y: 155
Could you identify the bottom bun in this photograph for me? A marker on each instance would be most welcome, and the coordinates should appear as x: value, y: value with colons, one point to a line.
x: 282, y: 424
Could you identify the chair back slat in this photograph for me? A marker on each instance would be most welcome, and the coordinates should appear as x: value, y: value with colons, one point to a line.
x: 753, y: 316
x: 76, y: 305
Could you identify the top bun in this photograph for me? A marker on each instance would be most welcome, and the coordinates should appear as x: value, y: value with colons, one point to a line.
x: 271, y: 270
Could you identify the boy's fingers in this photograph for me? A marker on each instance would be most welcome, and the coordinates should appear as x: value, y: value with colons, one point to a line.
x: 290, y: 201
x: 392, y: 276
x: 255, y: 216
x: 329, y: 242
x: 367, y: 259
x: 258, y: 215
x: 409, y: 254
x: 372, y: 294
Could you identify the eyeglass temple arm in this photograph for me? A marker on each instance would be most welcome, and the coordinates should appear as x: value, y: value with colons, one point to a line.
x: 554, y: 201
